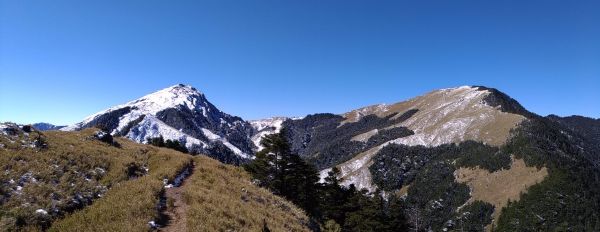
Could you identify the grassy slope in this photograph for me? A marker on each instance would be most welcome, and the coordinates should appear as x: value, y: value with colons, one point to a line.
x: 130, y: 205
x: 75, y: 165
x: 222, y: 198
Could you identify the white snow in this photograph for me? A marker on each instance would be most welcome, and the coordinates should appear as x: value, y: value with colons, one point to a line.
x: 266, y: 127
x: 41, y: 211
x: 324, y: 174
x: 212, y: 136
x: 174, y: 96
x: 152, y: 127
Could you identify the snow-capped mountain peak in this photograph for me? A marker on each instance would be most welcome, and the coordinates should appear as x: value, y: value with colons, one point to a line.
x: 171, y: 97
x: 177, y: 95
x: 181, y: 113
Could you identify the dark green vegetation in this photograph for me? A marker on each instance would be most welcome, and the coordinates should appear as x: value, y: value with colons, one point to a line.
x: 589, y: 128
x: 567, y: 200
x: 172, y: 144
x: 325, y: 143
x: 474, y: 216
x: 504, y: 102
x: 396, y: 165
x: 434, y: 196
x: 329, y: 204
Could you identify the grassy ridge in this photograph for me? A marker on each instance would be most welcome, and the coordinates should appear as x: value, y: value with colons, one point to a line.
x: 75, y: 170
x: 117, y: 188
x: 222, y: 198
x: 129, y: 205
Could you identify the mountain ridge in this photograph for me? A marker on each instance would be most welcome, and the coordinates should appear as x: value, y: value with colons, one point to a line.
x: 180, y: 113
x: 466, y: 154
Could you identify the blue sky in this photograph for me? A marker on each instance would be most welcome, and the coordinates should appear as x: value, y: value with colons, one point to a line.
x: 63, y: 60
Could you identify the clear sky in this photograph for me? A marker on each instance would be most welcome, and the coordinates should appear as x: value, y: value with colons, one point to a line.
x: 63, y: 60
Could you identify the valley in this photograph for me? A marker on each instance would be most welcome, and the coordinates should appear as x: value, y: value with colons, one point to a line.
x: 465, y: 158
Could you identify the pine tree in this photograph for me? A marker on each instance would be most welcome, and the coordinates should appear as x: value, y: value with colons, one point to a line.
x: 157, y: 141
x: 285, y: 173
x: 334, y: 206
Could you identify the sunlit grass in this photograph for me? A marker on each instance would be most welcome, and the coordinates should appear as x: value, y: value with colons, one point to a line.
x: 222, y: 198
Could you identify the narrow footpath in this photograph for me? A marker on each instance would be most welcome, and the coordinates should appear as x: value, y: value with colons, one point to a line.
x: 176, y: 211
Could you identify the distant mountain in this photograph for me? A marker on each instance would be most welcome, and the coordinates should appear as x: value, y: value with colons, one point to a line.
x: 265, y: 127
x: 179, y: 113
x: 466, y: 157
x: 445, y: 116
x: 42, y: 126
x: 587, y: 127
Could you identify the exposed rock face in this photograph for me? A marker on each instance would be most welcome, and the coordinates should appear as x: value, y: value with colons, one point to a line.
x: 179, y: 113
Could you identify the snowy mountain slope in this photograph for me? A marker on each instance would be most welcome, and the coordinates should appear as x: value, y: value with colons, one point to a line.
x: 179, y: 113
x: 266, y: 127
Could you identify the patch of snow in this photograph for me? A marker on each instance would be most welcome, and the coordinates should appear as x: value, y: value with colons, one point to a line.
x: 266, y: 127
x: 324, y: 174
x: 100, y: 170
x: 152, y: 127
x: 41, y: 211
x: 212, y: 136
x: 172, y: 97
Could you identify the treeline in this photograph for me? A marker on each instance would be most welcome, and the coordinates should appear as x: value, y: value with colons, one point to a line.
x: 215, y: 149
x: 396, y: 165
x: 172, y: 144
x: 331, y: 206
x: 434, y: 200
x: 326, y: 142
x: 569, y: 197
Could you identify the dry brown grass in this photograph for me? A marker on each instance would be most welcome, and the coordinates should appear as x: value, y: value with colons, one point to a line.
x: 442, y: 117
x: 75, y: 165
x: 219, y: 197
x: 129, y: 205
x: 498, y: 187
x: 222, y: 198
x: 491, y: 125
